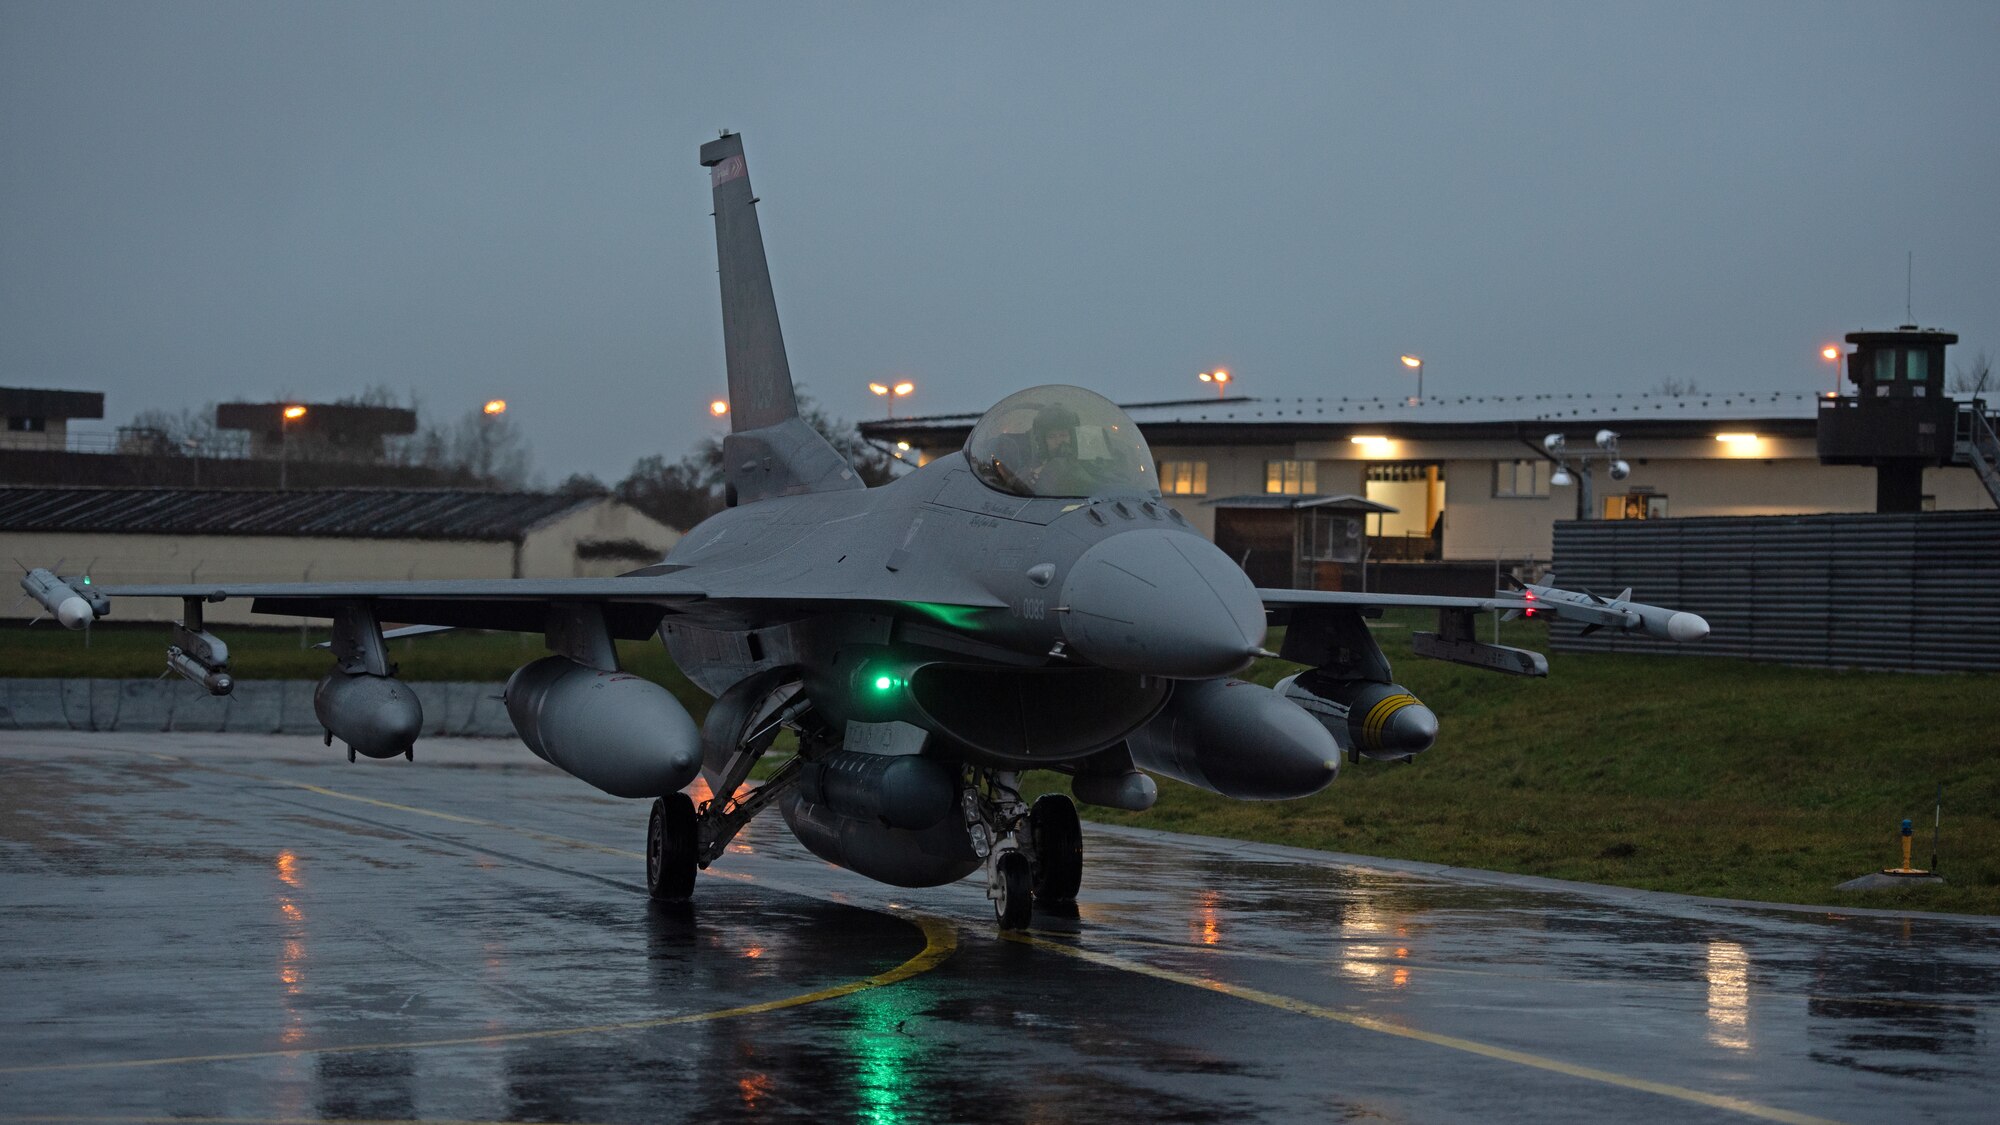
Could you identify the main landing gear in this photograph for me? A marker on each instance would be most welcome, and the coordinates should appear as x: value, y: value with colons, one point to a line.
x: 671, y: 849
x: 1031, y: 854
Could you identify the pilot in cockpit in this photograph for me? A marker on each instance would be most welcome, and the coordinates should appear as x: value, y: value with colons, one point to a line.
x: 1056, y: 471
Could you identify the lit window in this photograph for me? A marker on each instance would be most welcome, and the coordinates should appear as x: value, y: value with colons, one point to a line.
x: 1523, y: 479
x: 1636, y: 506
x: 1917, y: 366
x: 1291, y: 478
x: 1184, y: 478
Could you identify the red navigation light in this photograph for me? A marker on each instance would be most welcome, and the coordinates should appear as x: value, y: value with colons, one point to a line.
x: 1530, y: 611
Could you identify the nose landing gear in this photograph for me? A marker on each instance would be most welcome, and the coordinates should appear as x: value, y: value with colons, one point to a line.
x: 1031, y: 854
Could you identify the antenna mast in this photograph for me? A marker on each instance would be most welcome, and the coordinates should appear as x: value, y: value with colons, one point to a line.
x: 1909, y: 273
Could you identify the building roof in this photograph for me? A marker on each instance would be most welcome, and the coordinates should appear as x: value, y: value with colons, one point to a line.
x: 1730, y: 406
x: 1285, y: 418
x: 320, y: 417
x: 34, y: 402
x: 347, y: 513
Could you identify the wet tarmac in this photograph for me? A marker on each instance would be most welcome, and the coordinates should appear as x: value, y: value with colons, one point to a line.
x: 247, y: 928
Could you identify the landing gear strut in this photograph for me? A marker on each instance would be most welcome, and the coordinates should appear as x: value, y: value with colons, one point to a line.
x: 670, y: 849
x: 1031, y: 855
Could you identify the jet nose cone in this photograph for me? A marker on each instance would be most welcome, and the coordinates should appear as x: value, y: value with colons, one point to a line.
x: 1163, y: 603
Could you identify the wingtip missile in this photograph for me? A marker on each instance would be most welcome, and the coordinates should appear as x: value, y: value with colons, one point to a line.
x: 1620, y: 613
x: 56, y: 596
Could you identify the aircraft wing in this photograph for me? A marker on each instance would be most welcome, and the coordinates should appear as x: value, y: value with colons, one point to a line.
x: 633, y: 605
x: 1306, y: 599
x: 1324, y: 625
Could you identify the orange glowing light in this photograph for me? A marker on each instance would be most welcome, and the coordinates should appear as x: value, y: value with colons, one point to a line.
x: 496, y: 406
x: 904, y: 388
x: 288, y: 869
x: 1830, y: 352
x: 753, y: 1087
x: 1208, y: 927
x: 1221, y: 376
x: 1400, y: 978
x: 718, y: 408
x: 754, y: 952
x: 294, y: 413
x: 1206, y: 377
x: 878, y: 388
x: 1412, y: 362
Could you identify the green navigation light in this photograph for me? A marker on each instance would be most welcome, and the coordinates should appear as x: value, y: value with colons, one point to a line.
x: 884, y: 683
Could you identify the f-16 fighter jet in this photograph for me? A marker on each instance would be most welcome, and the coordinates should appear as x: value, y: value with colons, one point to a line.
x: 1027, y: 604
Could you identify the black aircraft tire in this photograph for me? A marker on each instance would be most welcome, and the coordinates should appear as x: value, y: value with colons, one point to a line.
x: 1058, y: 849
x: 1016, y: 904
x: 670, y: 847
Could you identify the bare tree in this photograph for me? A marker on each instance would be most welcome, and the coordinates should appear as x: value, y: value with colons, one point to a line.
x: 1970, y: 378
x: 685, y: 492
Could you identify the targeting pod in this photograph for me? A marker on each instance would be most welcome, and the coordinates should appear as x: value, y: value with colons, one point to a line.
x: 1369, y: 718
x: 71, y: 608
x: 201, y: 658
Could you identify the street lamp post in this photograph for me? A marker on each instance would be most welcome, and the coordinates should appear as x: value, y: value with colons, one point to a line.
x: 1416, y: 363
x: 291, y: 414
x: 1220, y: 378
x: 1832, y: 353
x: 891, y: 393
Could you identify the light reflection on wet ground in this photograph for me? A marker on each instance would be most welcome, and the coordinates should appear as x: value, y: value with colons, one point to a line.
x: 183, y: 897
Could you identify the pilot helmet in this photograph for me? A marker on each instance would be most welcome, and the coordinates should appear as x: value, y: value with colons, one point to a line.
x: 1051, y: 419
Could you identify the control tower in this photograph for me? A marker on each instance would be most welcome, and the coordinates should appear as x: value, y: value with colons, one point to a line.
x: 1900, y: 419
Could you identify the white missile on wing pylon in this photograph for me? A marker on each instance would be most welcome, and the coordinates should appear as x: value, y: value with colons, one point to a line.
x: 56, y: 596
x: 1619, y: 612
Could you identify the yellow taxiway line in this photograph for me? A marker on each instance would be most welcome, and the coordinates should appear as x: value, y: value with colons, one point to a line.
x: 1452, y: 1042
x: 940, y: 942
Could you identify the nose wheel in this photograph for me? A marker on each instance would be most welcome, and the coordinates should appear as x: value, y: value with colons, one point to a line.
x: 671, y: 849
x: 1013, y: 890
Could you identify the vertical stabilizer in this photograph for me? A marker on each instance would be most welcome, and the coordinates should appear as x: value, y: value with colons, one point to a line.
x: 770, y: 450
x: 760, y: 379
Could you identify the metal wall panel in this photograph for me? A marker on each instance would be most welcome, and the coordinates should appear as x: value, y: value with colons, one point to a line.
x: 1919, y: 592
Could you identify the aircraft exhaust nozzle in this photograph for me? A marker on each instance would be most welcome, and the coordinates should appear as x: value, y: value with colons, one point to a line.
x: 1238, y: 739
x: 622, y: 733
x: 1161, y: 603
x: 378, y: 716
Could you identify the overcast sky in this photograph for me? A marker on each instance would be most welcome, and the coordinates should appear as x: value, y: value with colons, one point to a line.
x: 223, y: 201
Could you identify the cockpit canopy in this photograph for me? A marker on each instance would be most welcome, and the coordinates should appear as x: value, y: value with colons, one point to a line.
x: 1059, y: 441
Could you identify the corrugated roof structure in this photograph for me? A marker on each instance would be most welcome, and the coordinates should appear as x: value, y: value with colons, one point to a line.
x: 1310, y: 417
x: 346, y: 513
x: 1454, y: 409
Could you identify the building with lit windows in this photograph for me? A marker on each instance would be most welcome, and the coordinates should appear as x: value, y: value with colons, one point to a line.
x: 1303, y: 490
